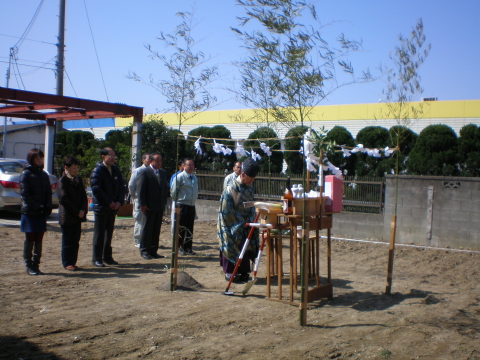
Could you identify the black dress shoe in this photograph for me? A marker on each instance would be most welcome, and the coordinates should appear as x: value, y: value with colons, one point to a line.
x: 157, y: 256
x: 146, y: 256
x: 98, y: 264
x: 113, y: 262
x: 190, y: 252
x: 31, y: 271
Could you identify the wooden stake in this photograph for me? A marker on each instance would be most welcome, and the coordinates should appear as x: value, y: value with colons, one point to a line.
x: 391, y: 254
x: 305, y: 262
x: 175, y: 231
x: 307, y: 183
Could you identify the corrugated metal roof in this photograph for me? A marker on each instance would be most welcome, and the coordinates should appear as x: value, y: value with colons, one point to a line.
x: 21, y: 127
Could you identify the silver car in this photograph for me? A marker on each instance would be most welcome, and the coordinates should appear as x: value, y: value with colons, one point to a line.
x: 10, y: 170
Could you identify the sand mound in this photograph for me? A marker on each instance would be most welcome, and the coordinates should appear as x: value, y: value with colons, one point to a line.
x: 184, y: 282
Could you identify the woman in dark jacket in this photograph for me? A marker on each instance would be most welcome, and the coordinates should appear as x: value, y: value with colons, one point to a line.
x: 71, y: 212
x: 36, y: 206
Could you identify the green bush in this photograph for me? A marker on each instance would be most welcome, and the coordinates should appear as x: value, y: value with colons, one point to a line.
x: 268, y: 164
x: 294, y: 159
x: 209, y: 159
x: 372, y: 137
x: 339, y: 135
x: 469, y: 150
x: 435, y: 152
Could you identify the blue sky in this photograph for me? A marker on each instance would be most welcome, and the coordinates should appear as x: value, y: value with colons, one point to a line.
x: 121, y: 28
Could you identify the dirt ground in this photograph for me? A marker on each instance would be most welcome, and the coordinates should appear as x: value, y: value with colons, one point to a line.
x: 127, y: 312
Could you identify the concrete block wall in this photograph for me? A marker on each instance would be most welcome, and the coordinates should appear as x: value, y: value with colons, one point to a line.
x: 455, y: 207
x: 454, y: 222
x: 207, y: 210
x: 358, y: 226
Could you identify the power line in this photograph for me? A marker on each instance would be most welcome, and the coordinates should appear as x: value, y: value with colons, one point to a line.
x: 18, y: 70
x: 68, y: 77
x: 29, y: 26
x: 96, y: 53
x: 33, y: 61
x: 35, y: 66
x: 70, y: 81
x: 17, y: 37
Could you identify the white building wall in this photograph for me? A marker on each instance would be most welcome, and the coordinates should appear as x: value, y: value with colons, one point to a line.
x: 242, y: 131
x: 20, y: 142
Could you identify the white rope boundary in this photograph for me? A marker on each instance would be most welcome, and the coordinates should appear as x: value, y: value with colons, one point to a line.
x: 403, y: 245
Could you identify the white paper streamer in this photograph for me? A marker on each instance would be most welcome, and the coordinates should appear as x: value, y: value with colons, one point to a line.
x: 239, y: 149
x: 266, y: 149
x: 220, y: 148
x: 255, y: 156
x: 197, y: 146
x: 346, y: 152
x: 387, y: 152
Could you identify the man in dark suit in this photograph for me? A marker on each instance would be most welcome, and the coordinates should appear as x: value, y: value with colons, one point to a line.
x: 152, y: 189
x: 108, y: 195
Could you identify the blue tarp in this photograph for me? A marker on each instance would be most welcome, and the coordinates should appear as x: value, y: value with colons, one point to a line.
x: 94, y: 123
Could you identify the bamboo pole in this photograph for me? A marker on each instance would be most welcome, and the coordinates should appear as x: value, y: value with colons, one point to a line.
x: 305, y: 264
x: 393, y: 230
x: 391, y: 254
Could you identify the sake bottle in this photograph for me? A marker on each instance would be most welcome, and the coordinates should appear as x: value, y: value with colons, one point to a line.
x: 287, y: 198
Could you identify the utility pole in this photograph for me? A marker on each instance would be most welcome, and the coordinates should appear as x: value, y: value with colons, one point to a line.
x: 61, y: 50
x: 4, y: 148
x: 51, y: 127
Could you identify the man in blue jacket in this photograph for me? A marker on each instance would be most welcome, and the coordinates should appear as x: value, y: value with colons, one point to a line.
x: 184, y: 191
x: 108, y: 195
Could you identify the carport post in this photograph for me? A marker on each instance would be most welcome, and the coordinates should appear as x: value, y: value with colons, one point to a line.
x: 49, y: 145
x: 136, y: 141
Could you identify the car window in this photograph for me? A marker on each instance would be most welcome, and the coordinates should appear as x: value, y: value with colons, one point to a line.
x: 11, y: 167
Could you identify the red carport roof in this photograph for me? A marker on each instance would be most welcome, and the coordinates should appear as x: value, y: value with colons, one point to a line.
x: 39, y: 106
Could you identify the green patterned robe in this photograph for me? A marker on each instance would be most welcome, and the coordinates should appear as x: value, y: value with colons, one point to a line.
x: 232, y: 216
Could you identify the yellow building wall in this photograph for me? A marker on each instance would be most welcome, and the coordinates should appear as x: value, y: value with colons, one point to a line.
x: 431, y: 109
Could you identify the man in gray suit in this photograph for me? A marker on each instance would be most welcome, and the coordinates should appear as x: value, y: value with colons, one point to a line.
x: 132, y: 188
x: 152, y: 189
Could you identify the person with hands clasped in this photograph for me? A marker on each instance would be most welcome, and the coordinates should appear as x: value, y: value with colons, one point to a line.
x: 72, y: 211
x: 108, y: 195
x: 36, y: 197
x: 184, y: 191
x: 152, y: 196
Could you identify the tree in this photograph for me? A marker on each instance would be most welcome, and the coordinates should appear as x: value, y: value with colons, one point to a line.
x: 123, y: 161
x: 290, y: 67
x: 297, y: 64
x: 435, y: 152
x: 469, y: 150
x: 186, y: 90
x: 403, y: 83
x: 268, y: 164
x: 159, y: 138
x: 73, y: 142
x: 88, y: 160
x: 115, y: 137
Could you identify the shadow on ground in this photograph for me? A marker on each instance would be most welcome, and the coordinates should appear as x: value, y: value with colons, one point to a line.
x: 17, y: 348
